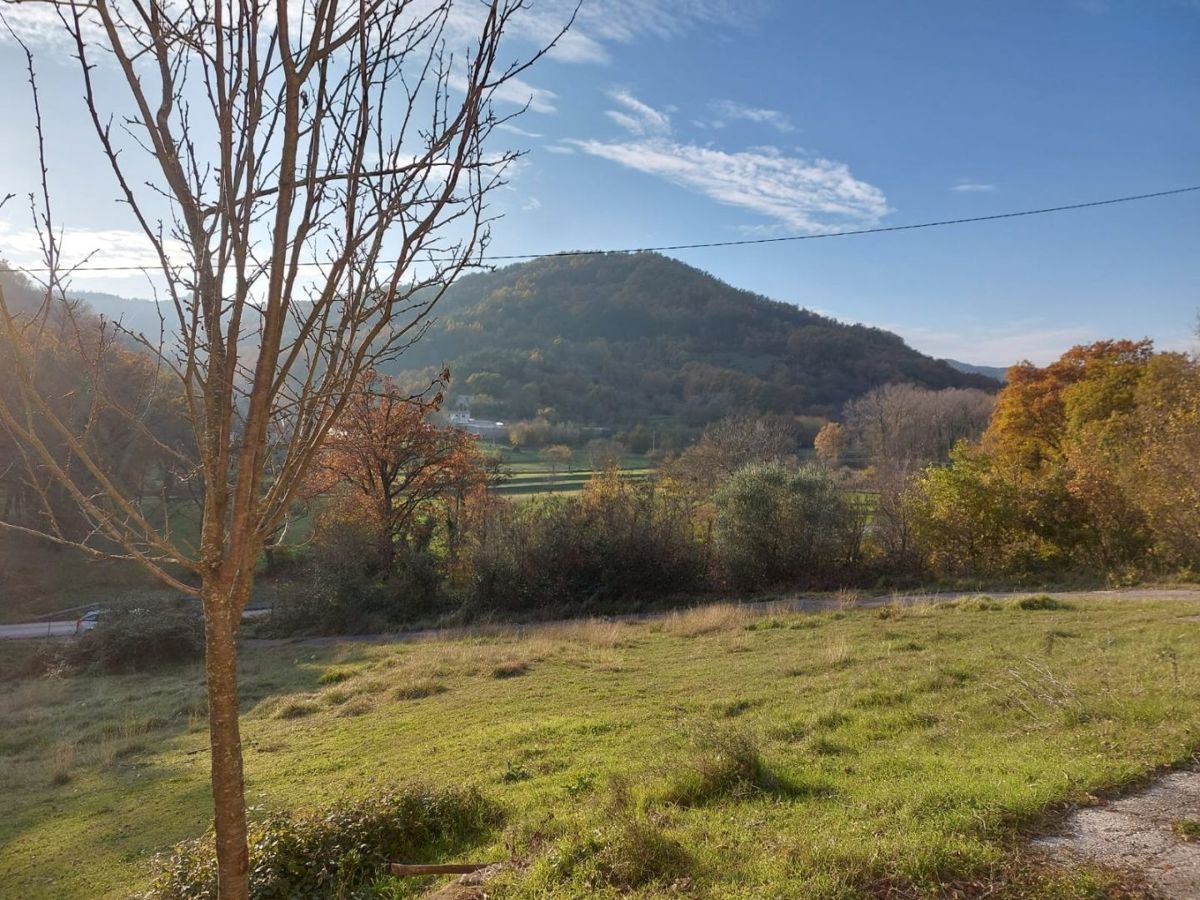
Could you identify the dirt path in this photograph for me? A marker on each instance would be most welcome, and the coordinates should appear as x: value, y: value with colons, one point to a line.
x: 1140, y: 833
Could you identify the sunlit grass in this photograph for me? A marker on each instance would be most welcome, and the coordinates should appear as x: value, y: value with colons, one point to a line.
x: 756, y: 753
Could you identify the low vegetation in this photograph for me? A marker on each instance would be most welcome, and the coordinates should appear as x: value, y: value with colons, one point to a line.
x: 733, y: 751
x: 337, y: 851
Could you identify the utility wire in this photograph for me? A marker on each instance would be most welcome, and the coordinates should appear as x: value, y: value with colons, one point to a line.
x: 885, y: 229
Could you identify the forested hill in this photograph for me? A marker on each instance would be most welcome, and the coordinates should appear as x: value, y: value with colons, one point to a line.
x: 621, y: 338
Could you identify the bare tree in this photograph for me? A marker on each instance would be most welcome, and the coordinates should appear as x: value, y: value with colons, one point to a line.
x: 732, y: 443
x: 905, y: 426
x: 311, y: 177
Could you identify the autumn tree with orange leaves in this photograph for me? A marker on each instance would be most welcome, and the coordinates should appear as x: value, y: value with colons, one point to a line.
x: 396, y: 469
x: 1091, y: 462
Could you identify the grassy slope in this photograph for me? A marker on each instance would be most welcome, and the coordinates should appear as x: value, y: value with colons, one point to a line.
x: 916, y: 743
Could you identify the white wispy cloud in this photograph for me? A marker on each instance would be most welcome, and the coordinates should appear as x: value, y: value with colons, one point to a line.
x: 973, y: 187
x: 804, y: 193
x: 638, y: 117
x: 518, y: 130
x: 725, y: 112
x: 107, y: 247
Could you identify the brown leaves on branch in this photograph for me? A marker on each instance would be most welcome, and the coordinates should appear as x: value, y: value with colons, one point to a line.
x: 389, y: 461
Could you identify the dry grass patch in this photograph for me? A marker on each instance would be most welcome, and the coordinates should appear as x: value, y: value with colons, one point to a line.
x: 295, y: 709
x: 847, y: 598
x: 837, y: 652
x: 599, y: 633
x: 336, y: 675
x: 709, y: 619
x: 510, y: 668
x: 418, y: 689
x: 356, y: 707
x: 60, y: 761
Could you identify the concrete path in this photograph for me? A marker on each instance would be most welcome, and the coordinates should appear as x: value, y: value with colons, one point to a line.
x: 1144, y: 833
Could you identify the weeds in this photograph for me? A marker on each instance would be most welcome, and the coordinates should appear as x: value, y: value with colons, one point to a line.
x: 295, y: 709
x: 1038, y: 602
x: 724, y: 762
x: 62, y: 757
x: 336, y: 676
x: 847, y: 599
x: 1187, y: 829
x: 706, y: 620
x: 419, y: 688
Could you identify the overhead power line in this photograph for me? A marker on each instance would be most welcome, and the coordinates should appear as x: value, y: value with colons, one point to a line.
x: 701, y: 245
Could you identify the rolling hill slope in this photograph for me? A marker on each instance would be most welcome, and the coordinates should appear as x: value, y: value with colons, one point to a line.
x: 623, y: 338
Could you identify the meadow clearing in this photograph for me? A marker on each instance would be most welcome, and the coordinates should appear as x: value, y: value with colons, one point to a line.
x: 723, y: 751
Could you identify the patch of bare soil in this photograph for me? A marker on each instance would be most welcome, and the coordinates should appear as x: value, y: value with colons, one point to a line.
x: 467, y: 887
x: 1146, y: 833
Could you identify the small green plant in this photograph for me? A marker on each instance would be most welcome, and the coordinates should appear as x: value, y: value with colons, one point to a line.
x: 581, y: 784
x: 514, y: 772
x: 1187, y: 829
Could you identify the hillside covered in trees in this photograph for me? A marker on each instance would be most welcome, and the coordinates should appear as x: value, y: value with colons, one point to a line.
x: 622, y: 338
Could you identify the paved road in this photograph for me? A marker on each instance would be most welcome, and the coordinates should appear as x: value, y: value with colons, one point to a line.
x: 30, y: 631
x: 33, y: 630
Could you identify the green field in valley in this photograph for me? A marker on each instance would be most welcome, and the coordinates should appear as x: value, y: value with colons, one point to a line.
x: 720, y: 752
x: 528, y: 475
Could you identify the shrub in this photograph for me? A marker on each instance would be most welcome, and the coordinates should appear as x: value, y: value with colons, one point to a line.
x: 332, y: 852
x: 628, y: 852
x: 1038, y: 602
x: 615, y: 543
x: 775, y: 525
x: 724, y: 762
x: 141, y: 638
x: 346, y: 591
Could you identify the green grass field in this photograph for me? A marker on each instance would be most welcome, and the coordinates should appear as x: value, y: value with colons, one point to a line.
x: 832, y: 755
x: 528, y: 475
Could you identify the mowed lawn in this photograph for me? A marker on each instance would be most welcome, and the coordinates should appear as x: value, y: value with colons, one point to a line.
x: 900, y: 749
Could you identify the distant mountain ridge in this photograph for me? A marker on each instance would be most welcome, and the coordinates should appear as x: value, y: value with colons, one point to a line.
x: 1000, y: 373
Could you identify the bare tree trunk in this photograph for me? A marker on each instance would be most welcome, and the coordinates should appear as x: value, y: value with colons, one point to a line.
x: 222, y: 619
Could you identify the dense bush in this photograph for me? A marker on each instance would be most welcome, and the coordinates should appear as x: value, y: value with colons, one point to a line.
x: 614, y: 542
x: 133, y: 639
x: 776, y: 525
x: 347, y: 593
x: 356, y: 579
x: 333, y: 852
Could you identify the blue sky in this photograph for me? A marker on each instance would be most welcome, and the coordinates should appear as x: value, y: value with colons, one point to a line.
x: 673, y: 121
